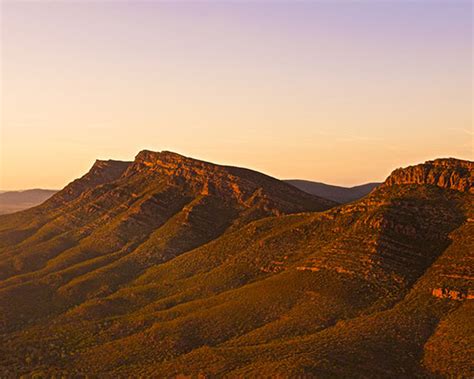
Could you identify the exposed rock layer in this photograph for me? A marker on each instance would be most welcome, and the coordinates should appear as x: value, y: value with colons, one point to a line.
x: 447, y: 173
x: 169, y: 266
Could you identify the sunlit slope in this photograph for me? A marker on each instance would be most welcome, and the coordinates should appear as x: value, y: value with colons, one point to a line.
x: 376, y: 288
x: 105, y: 229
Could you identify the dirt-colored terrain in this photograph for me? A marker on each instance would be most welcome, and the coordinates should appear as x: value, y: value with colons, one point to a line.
x: 170, y: 266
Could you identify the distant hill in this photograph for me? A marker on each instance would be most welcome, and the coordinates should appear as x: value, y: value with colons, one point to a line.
x: 14, y: 201
x: 169, y: 266
x: 342, y: 195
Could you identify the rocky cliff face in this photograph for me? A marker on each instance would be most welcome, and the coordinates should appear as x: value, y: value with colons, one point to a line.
x: 197, y: 176
x: 447, y: 173
x: 100, y: 173
x: 248, y: 188
x: 130, y: 216
x: 173, y: 266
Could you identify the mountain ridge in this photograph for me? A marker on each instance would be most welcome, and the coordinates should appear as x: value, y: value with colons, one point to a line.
x: 14, y: 201
x: 336, y: 193
x: 448, y: 173
x: 130, y: 216
x: 155, y: 273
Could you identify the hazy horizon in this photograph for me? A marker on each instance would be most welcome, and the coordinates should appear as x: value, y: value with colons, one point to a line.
x: 334, y: 92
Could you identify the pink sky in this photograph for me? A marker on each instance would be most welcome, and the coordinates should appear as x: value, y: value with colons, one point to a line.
x: 340, y: 92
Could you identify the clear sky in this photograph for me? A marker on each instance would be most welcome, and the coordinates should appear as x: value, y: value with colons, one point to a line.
x: 334, y: 91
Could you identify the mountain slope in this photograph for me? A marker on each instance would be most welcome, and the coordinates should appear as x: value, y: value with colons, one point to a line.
x: 376, y: 288
x: 336, y: 193
x: 106, y: 228
x: 14, y: 201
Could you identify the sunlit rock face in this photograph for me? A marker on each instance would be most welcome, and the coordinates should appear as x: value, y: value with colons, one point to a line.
x: 101, y: 172
x: 447, y: 173
x: 246, y: 187
x: 168, y: 265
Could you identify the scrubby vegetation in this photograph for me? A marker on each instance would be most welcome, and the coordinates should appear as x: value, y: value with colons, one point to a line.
x: 169, y: 266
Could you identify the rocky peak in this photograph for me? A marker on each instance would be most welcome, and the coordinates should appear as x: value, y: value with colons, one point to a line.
x: 450, y: 173
x: 204, y: 176
x: 106, y: 168
x: 243, y: 185
x: 158, y: 156
x: 167, y: 160
x: 102, y: 171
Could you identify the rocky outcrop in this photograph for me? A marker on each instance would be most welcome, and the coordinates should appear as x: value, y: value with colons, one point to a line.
x: 453, y: 294
x: 307, y: 268
x: 100, y: 173
x: 247, y: 187
x: 139, y: 214
x: 162, y: 269
x: 450, y: 173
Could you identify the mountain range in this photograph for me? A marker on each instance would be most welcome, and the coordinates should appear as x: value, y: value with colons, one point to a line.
x: 169, y: 266
x: 14, y: 201
x: 339, y: 194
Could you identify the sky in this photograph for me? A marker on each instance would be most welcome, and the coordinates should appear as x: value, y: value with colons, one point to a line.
x: 341, y: 92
